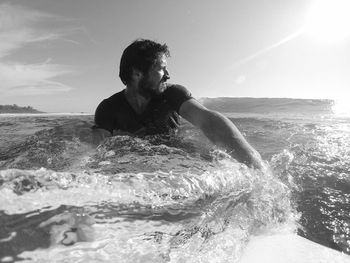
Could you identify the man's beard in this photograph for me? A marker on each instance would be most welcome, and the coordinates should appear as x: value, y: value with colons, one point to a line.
x: 146, y: 90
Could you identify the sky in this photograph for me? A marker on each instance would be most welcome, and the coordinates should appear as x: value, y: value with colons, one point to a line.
x: 63, y: 56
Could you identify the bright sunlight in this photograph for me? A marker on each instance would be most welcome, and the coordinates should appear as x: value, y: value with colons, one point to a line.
x: 341, y: 107
x: 329, y: 20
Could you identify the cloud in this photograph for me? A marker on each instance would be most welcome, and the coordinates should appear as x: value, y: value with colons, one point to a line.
x: 26, y: 79
x: 266, y: 49
x: 19, y: 27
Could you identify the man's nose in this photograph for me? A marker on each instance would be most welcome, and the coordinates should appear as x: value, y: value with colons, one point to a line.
x: 166, y: 75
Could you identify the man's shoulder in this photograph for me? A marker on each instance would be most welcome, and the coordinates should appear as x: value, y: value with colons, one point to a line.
x: 117, y: 96
x: 172, y: 86
x: 176, y: 90
x: 105, y: 114
x: 110, y: 103
x: 176, y: 95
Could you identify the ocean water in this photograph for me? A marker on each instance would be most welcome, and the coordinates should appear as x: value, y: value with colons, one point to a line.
x: 174, y: 198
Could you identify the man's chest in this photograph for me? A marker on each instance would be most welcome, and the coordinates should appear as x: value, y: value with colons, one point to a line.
x: 158, y: 117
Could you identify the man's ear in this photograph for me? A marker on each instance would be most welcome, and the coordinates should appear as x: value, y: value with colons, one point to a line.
x: 136, y: 74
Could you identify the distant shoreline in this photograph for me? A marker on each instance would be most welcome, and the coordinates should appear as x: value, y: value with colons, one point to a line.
x: 26, y: 114
x: 10, y: 109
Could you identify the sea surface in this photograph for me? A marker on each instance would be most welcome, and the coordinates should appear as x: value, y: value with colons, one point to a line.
x: 176, y: 198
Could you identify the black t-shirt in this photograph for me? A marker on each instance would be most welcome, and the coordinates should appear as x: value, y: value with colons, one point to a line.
x: 160, y: 116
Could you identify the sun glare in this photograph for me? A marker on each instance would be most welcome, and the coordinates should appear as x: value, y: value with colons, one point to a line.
x: 329, y: 20
x: 341, y: 107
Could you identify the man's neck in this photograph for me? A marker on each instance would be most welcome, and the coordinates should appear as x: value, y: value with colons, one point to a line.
x: 137, y: 101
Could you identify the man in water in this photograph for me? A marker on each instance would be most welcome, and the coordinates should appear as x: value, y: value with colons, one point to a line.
x: 149, y: 105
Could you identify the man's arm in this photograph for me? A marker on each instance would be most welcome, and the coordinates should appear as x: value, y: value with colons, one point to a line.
x: 221, y: 131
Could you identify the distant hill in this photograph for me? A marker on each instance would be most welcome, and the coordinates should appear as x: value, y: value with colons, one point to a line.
x: 17, y: 109
x: 268, y: 105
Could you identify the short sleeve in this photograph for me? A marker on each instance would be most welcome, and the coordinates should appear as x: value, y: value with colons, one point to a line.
x: 103, y: 116
x: 176, y: 95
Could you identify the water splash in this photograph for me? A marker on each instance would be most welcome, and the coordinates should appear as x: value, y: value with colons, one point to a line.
x: 186, y: 214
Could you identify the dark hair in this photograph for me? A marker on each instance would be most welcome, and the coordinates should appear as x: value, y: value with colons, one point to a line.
x: 140, y: 54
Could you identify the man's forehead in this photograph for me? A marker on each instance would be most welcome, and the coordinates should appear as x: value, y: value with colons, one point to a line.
x: 161, y: 59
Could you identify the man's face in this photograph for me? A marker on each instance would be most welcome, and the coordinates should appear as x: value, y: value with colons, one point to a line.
x: 153, y: 83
